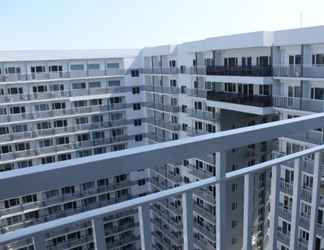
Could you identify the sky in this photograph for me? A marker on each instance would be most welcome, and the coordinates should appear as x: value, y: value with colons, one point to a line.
x: 112, y: 24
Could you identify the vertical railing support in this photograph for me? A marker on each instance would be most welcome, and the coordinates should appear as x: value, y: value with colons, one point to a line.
x: 39, y: 242
x: 315, y: 201
x: 144, y: 215
x: 187, y: 217
x: 274, y: 206
x: 220, y: 168
x: 98, y: 233
x: 295, y: 205
x: 248, y: 211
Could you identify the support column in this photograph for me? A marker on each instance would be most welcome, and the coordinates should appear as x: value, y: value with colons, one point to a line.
x: 98, y: 233
x: 144, y: 215
x: 315, y: 201
x: 39, y: 242
x: 296, y: 205
x: 274, y: 207
x: 220, y: 167
x: 187, y: 217
x: 248, y: 212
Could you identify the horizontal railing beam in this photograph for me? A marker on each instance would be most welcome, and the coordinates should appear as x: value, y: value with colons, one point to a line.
x: 133, y: 203
x: 50, y: 176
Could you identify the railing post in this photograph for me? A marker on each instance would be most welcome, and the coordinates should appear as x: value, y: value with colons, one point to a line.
x: 220, y: 167
x: 248, y: 212
x: 144, y: 215
x: 39, y: 242
x: 187, y: 217
x: 274, y: 206
x: 295, y: 205
x: 315, y: 200
x: 98, y: 233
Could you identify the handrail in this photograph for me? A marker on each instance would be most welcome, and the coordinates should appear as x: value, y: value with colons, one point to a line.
x: 136, y: 202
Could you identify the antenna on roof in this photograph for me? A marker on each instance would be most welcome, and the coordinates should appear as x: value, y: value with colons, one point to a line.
x: 301, y: 19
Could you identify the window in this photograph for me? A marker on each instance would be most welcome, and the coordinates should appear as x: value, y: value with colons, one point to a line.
x: 77, y: 67
x: 17, y: 110
x: 56, y: 87
x: 136, y: 90
x: 44, y: 125
x: 265, y: 90
x: 12, y: 70
x: 112, y: 65
x: 137, y: 122
x: 135, y: 73
x: 82, y: 120
x: 113, y: 83
x: 58, y: 105
x: 230, y: 87
x: 234, y: 187
x: 317, y: 93
x: 45, y: 143
x: 22, y: 146
x: 41, y: 107
x: 62, y: 140
x: 141, y: 182
x: 78, y: 85
x: 234, y: 205
x: 6, y: 149
x: 138, y: 137
x: 64, y: 157
x: 94, y: 84
x: 95, y: 102
x: 52, y: 193
x: 136, y: 106
x: 11, y: 202
x: 39, y: 89
x: 29, y: 198
x: 68, y: 190
x: 60, y: 123
x: 318, y: 59
x: 15, y: 91
x: 93, y: 66
x: 55, y: 68
x: 37, y: 69
x: 4, y: 130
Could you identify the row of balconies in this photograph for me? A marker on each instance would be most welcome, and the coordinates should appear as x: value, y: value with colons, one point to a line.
x: 71, y: 146
x: 61, y: 112
x: 63, y: 94
x: 248, y: 70
x: 78, y: 128
x: 46, y: 202
x: 61, y: 74
x: 24, y: 222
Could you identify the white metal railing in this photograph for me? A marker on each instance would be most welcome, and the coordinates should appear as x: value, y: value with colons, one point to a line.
x: 57, y: 175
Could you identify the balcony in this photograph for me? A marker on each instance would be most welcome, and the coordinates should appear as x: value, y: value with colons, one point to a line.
x: 299, y: 71
x: 254, y: 100
x: 262, y: 71
x: 62, y: 75
x: 57, y: 175
x: 253, y: 104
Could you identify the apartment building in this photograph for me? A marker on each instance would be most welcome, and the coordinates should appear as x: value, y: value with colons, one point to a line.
x: 62, y: 105
x: 67, y: 105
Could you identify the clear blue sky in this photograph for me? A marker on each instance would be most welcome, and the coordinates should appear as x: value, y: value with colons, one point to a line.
x: 48, y: 24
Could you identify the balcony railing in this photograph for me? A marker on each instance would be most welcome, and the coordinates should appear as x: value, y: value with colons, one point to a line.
x: 58, y: 75
x: 240, y: 70
x: 305, y: 104
x: 54, y: 176
x: 299, y: 71
x: 253, y: 100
